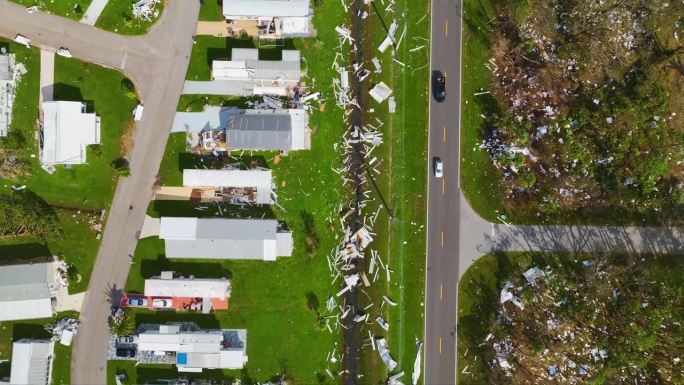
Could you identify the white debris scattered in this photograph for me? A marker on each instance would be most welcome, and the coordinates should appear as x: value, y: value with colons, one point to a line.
x: 392, y: 105
x: 380, y: 92
x: 144, y: 9
x: 533, y: 274
x: 383, y: 350
x: 389, y: 39
x: 416, y: 364
x: 381, y: 321
x: 64, y: 52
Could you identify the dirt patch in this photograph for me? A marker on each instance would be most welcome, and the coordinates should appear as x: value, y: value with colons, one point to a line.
x: 127, y: 139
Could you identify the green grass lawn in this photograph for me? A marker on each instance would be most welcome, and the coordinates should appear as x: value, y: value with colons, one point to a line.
x: 73, y: 9
x: 478, y: 298
x: 118, y: 17
x: 79, y: 193
x: 480, y: 181
x: 211, y: 10
x: 13, y: 331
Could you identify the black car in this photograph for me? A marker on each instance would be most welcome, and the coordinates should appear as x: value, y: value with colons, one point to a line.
x: 438, y: 85
x: 125, y: 352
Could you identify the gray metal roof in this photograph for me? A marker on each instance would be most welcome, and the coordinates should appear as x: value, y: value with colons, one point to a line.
x: 221, y: 238
x: 5, y: 72
x: 259, y: 132
x: 24, y: 282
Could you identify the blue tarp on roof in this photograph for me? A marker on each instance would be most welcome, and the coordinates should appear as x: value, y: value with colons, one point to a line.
x: 182, y: 359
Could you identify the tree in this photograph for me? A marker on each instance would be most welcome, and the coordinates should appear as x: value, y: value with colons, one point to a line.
x: 24, y: 213
x: 122, y: 326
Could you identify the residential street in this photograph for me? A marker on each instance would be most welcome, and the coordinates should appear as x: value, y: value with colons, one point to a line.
x: 156, y: 63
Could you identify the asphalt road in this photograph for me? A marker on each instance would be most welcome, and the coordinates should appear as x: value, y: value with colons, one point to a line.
x: 156, y: 63
x: 443, y: 199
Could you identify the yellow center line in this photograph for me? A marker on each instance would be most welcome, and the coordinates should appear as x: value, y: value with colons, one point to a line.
x: 444, y: 135
x: 440, y: 291
x: 443, y: 186
x: 446, y: 27
x: 440, y: 345
x: 442, y: 239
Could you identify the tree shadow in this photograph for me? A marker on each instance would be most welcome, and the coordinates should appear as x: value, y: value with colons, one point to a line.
x: 204, y: 321
x: 152, y: 268
x: 33, y: 331
x: 114, y: 295
x: 24, y: 253
x: 188, y: 208
x: 67, y: 92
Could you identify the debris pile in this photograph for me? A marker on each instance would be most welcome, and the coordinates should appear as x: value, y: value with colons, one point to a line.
x: 578, y: 113
x: 63, y: 330
x: 145, y: 9
x: 586, y: 323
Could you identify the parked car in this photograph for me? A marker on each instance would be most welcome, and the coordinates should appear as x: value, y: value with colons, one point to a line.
x: 438, y: 85
x: 126, y: 352
x: 137, y: 301
x: 162, y: 303
x: 127, y: 340
x: 438, y: 167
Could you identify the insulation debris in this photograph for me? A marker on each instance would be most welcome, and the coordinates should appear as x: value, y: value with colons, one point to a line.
x: 380, y: 92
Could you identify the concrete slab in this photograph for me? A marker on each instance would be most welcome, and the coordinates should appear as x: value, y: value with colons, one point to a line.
x: 47, y: 76
x: 66, y: 302
x: 150, y: 227
x: 94, y: 11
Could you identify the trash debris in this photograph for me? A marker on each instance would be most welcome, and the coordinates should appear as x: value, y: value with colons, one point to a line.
x: 144, y: 9
x: 389, y: 39
x: 380, y: 92
x: 383, y: 324
x: 383, y: 350
x: 416, y: 364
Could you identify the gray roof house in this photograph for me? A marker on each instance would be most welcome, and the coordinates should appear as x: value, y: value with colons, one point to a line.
x: 31, y: 362
x: 26, y: 291
x: 229, y: 128
x: 219, y: 238
x: 246, y: 75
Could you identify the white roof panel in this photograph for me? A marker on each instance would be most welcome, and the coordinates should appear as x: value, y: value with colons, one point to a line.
x: 178, y: 228
x: 67, y: 131
x: 265, y: 8
x: 31, y: 362
x: 228, y: 178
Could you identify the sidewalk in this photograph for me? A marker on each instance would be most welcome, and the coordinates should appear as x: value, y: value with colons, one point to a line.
x: 93, y: 12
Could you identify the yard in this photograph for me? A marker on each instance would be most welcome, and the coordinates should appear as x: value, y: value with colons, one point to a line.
x: 76, y: 194
x: 118, y: 17
x: 479, y: 300
x: 598, y: 154
x: 13, y: 331
x: 73, y: 9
